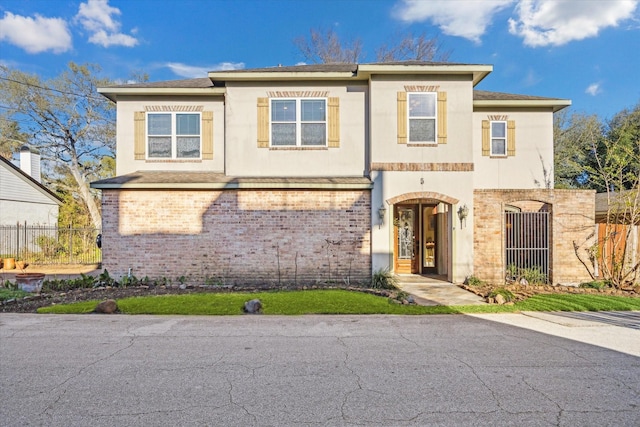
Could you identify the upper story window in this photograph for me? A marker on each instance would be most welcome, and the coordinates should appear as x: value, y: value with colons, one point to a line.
x: 298, y: 122
x: 173, y: 135
x: 498, y: 138
x: 422, y: 117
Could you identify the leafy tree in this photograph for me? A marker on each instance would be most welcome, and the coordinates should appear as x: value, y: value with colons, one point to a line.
x: 11, y: 139
x: 574, y: 135
x: 72, y: 126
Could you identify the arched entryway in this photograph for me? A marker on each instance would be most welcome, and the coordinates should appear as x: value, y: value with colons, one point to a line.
x: 422, y: 233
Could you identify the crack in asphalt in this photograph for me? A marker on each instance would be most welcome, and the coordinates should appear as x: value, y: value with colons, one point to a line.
x: 79, y: 372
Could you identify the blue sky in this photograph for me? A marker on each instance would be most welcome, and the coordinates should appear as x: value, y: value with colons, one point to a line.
x: 584, y: 50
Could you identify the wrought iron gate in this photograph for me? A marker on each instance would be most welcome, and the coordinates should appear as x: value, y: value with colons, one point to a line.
x: 527, y: 246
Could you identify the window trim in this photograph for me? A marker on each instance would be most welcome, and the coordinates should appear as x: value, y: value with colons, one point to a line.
x: 299, y: 122
x: 174, y: 135
x: 434, y: 118
x: 491, y: 138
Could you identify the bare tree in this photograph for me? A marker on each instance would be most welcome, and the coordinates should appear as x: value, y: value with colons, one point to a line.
x: 420, y: 48
x: 71, y: 125
x: 325, y: 47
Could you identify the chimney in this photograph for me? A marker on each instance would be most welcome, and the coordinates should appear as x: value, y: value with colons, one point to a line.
x: 30, y: 162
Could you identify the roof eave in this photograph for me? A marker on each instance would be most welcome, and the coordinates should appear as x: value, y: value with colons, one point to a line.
x: 279, y: 76
x: 479, y: 72
x: 232, y: 186
x: 113, y: 93
x: 555, y: 104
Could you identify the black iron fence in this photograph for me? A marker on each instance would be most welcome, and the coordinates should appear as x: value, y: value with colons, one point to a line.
x: 46, y: 245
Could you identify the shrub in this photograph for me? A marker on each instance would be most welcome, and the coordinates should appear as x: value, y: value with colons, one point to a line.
x: 473, y: 281
x: 384, y: 279
x: 595, y: 284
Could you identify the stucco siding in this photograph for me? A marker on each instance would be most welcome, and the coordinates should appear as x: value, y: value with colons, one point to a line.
x: 532, y: 165
x: 127, y: 106
x: 245, y: 158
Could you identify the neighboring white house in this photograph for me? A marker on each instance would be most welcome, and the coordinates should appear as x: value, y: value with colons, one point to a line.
x: 23, y: 198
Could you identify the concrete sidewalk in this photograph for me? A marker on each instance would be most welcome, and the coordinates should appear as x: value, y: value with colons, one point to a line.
x: 433, y: 290
x: 615, y: 330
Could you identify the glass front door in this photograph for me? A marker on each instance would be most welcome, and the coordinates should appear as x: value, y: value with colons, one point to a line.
x: 429, y: 239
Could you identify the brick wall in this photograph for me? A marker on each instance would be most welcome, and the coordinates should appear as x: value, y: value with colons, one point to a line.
x: 238, y: 237
x: 572, y: 221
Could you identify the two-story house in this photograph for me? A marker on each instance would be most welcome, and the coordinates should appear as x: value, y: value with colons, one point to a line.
x: 331, y: 172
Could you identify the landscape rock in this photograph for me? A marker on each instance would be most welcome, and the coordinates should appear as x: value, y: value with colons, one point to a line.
x: 106, y: 307
x: 500, y: 299
x: 253, y: 306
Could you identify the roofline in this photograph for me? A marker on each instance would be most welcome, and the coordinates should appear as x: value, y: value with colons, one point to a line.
x: 30, y: 180
x: 478, y: 71
x: 232, y: 186
x: 113, y: 92
x: 362, y: 72
x: 556, y: 104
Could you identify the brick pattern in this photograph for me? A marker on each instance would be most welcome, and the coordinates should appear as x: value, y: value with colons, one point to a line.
x: 572, y: 221
x: 239, y: 237
x: 423, y: 167
x: 422, y: 195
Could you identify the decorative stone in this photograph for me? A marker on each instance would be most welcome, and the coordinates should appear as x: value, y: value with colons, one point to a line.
x: 253, y: 306
x: 500, y: 299
x: 106, y: 307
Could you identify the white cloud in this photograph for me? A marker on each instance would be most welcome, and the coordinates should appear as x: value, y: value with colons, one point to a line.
x: 557, y: 22
x: 37, y: 34
x: 593, y: 89
x: 464, y: 18
x: 191, y: 71
x: 97, y: 17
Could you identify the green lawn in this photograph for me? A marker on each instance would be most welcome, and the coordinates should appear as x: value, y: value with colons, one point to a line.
x: 337, y: 302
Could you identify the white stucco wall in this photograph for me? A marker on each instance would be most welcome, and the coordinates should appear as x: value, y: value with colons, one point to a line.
x: 534, y: 152
x: 384, y: 119
x: 244, y: 158
x: 457, y: 185
x: 127, y: 106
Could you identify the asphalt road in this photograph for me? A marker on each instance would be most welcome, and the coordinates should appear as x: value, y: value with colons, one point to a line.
x: 318, y: 370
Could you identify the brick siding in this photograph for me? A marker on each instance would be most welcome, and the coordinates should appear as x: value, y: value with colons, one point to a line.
x: 238, y: 237
x: 572, y: 221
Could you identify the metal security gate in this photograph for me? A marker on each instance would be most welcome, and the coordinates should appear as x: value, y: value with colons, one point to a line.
x: 527, y: 246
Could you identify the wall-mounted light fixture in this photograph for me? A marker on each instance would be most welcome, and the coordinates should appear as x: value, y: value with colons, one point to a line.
x: 463, y: 212
x: 381, y: 213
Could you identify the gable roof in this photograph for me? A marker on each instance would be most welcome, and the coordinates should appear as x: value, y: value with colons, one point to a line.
x: 29, y: 180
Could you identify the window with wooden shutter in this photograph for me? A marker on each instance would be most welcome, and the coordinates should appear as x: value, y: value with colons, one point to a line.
x: 511, y: 138
x: 442, y: 117
x: 207, y: 135
x: 334, y: 122
x: 402, y: 117
x: 139, y: 135
x: 263, y: 122
x: 486, y: 137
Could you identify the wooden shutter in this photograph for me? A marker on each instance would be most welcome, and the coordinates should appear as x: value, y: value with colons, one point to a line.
x: 442, y: 117
x: 402, y: 117
x: 207, y: 135
x: 334, y: 122
x: 263, y: 122
x: 486, y: 138
x: 139, y: 135
x: 511, y: 138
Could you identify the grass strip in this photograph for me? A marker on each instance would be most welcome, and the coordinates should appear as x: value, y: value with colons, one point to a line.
x: 336, y: 302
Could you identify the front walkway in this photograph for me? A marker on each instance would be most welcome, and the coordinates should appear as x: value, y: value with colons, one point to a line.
x: 435, y: 290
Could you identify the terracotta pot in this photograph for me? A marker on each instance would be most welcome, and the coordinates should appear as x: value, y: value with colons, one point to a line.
x: 30, y: 282
x: 21, y: 265
x: 9, y: 263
